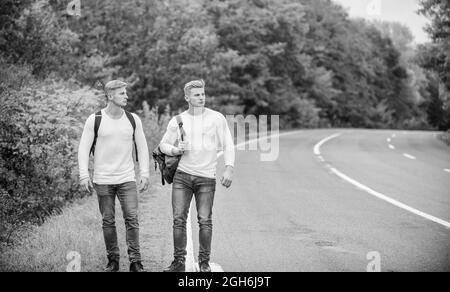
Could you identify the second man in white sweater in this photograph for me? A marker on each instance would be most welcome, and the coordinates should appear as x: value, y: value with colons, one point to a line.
x: 206, y: 133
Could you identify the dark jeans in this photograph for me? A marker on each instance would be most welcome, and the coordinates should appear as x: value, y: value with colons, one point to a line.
x: 184, y: 186
x: 127, y: 195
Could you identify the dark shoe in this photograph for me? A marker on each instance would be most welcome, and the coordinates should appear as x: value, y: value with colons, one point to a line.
x: 204, y: 267
x: 176, y: 266
x: 112, y: 266
x: 136, y: 267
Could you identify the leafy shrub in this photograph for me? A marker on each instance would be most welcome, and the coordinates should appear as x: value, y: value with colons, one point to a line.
x: 416, y: 123
x: 36, y: 34
x: 154, y: 124
x: 41, y: 123
x: 302, y: 113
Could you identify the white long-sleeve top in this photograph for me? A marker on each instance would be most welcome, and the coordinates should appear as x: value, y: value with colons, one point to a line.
x: 207, y: 134
x: 113, y: 159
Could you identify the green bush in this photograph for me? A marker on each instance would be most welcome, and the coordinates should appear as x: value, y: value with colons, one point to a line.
x: 40, y: 126
x: 154, y: 124
x: 416, y: 123
x: 302, y: 113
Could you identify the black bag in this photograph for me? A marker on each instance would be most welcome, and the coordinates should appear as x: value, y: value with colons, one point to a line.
x: 168, y: 164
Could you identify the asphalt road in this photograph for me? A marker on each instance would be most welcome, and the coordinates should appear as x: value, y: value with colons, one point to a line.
x: 296, y: 214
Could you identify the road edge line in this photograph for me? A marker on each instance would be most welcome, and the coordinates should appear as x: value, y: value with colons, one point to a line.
x: 377, y: 194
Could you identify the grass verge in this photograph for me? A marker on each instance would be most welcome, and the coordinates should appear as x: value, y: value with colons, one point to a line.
x: 78, y: 228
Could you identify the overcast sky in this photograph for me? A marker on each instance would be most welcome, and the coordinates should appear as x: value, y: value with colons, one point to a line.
x: 403, y: 11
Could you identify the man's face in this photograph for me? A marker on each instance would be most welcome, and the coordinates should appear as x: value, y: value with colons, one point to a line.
x: 196, y: 97
x: 119, y: 97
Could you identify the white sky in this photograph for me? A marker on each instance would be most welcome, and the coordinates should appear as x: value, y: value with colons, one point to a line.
x: 403, y: 11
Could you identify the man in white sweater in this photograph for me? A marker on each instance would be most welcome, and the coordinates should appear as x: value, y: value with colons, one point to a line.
x: 114, y: 170
x: 205, y: 134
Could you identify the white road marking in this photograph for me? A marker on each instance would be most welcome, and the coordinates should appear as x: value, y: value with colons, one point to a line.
x: 380, y: 195
x: 409, y: 156
x: 447, y: 170
x: 317, y: 146
x: 389, y: 140
x: 216, y: 267
x: 393, y: 135
x: 190, y: 263
x: 392, y: 146
x: 390, y: 200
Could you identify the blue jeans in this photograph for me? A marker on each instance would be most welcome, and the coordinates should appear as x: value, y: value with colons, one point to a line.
x: 127, y: 195
x: 184, y: 187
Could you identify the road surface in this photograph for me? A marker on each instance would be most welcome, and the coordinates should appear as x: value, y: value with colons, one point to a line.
x: 359, y: 198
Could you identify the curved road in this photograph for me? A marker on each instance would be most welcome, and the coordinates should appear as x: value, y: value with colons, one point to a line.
x: 297, y: 214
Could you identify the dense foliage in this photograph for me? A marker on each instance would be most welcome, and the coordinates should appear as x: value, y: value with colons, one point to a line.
x: 435, y: 57
x: 302, y: 59
x: 40, y: 124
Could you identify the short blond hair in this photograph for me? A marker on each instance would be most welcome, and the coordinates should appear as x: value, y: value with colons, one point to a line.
x: 193, y: 84
x: 113, y: 85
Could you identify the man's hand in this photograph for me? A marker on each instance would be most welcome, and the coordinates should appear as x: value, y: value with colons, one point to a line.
x: 182, y: 146
x: 86, y: 185
x: 143, y: 184
x: 227, y: 177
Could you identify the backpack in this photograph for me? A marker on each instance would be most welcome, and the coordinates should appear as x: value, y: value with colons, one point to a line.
x: 168, y: 164
x: 98, y: 119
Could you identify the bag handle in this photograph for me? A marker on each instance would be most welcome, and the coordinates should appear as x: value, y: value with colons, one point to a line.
x: 180, y: 125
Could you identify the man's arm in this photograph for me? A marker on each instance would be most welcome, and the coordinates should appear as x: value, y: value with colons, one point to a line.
x: 169, y: 138
x: 142, y: 152
x: 87, y: 138
x: 228, y: 153
x: 142, y: 148
x: 228, y: 144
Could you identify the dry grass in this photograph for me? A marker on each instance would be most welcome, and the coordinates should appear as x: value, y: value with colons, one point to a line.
x: 45, y: 248
x: 78, y: 228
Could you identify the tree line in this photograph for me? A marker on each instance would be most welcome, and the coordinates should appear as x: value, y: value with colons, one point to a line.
x: 305, y: 60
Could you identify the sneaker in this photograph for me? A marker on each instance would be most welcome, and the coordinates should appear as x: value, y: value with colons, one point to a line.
x: 112, y: 266
x: 204, y: 267
x: 176, y: 266
x: 136, y: 267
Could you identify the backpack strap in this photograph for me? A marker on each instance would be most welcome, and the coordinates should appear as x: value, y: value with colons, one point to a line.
x: 98, y: 119
x: 133, y: 124
x: 180, y: 125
